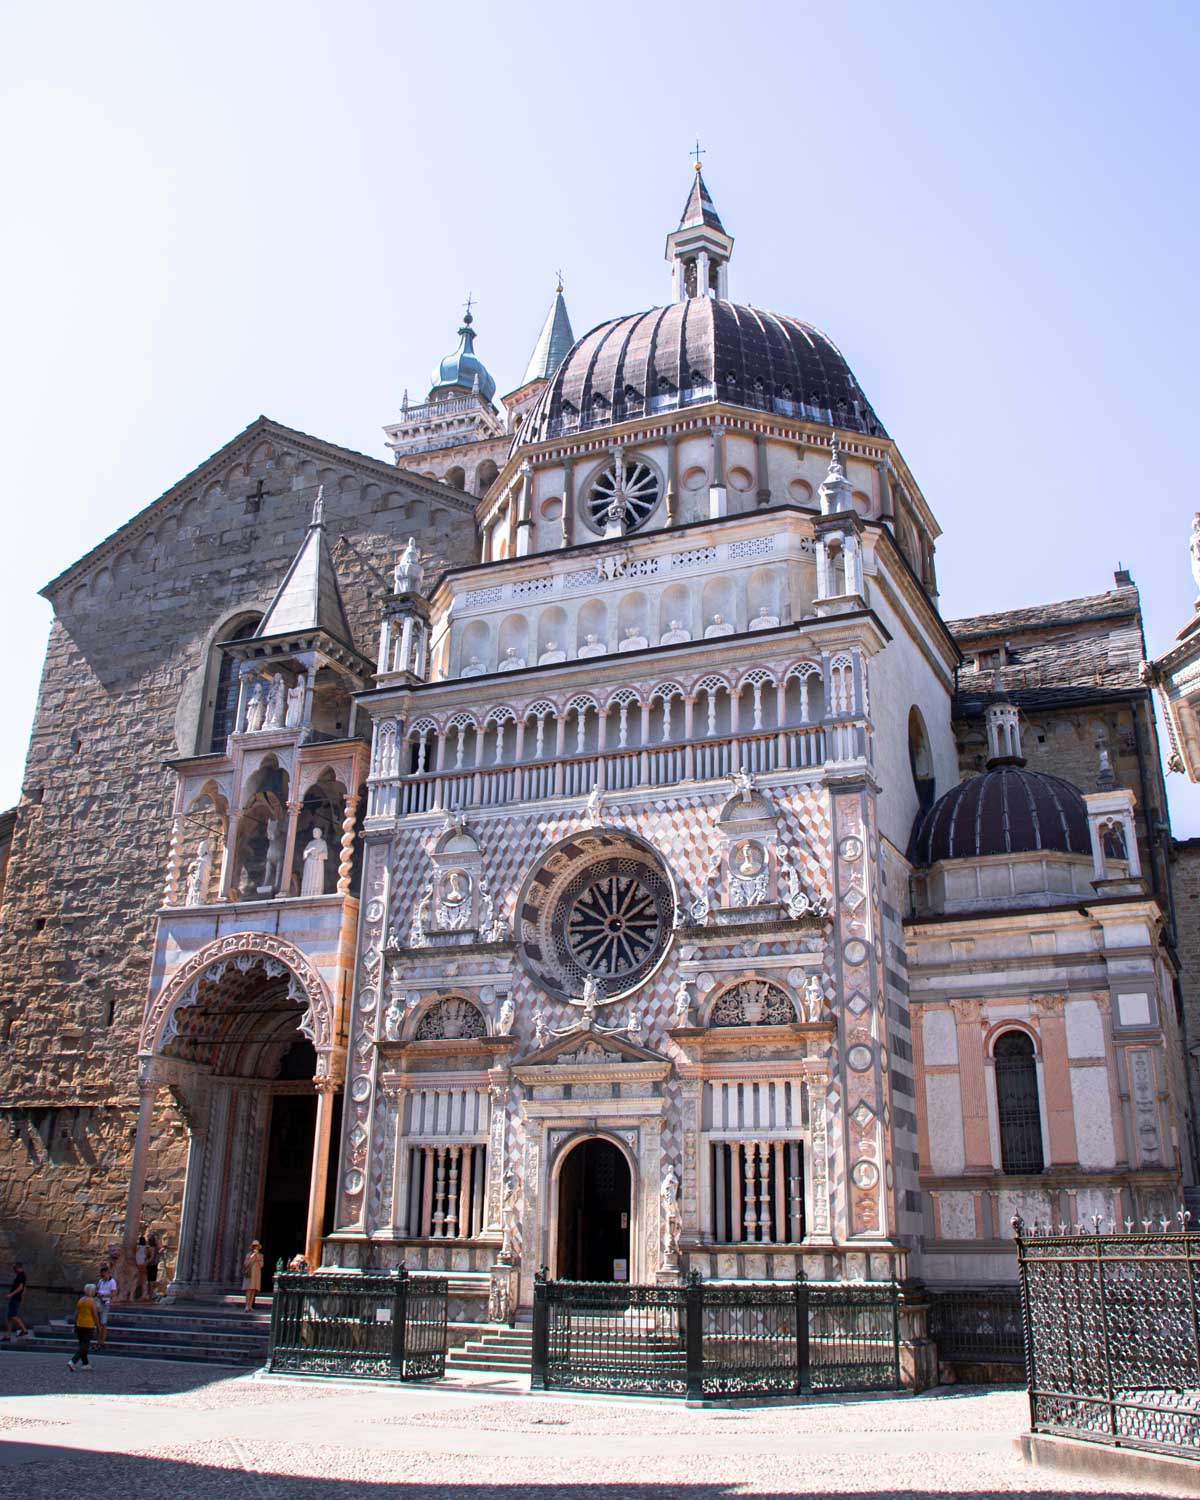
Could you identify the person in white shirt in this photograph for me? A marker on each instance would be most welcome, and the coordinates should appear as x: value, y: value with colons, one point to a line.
x: 106, y: 1290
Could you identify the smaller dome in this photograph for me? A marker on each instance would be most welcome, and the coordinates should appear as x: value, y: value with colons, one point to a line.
x: 460, y: 370
x: 1005, y: 810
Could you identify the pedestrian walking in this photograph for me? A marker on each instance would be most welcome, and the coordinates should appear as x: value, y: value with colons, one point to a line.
x: 141, y: 1259
x: 87, y: 1320
x: 153, y: 1256
x: 252, y: 1273
x: 16, y: 1295
x: 106, y: 1290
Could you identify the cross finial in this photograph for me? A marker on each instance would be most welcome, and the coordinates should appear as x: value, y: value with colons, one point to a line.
x: 559, y: 279
x: 697, y: 153
x: 467, y: 310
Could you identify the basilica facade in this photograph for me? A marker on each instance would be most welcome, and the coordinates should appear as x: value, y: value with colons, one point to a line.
x: 585, y: 846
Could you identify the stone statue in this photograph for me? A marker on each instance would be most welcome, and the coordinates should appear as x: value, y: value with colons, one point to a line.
x: 417, y: 937
x: 591, y: 1000
x: 764, y: 620
x: 633, y: 1027
x: 634, y: 640
x: 671, y: 1221
x: 675, y: 634
x: 511, y: 661
x: 720, y: 626
x: 508, y: 1217
x: 743, y: 785
x: 814, y: 998
x: 295, y: 702
x: 682, y: 1014
x: 798, y: 904
x: 593, y: 811
x: 551, y: 654
x: 199, y: 874
x: 408, y: 569
x: 507, y: 1016
x: 454, y: 905
x: 541, y: 1029
x: 474, y: 668
x: 273, y: 868
x: 749, y: 859
x: 1194, y: 549
x: 393, y: 1019
x: 315, y: 855
x: 277, y: 702
x: 593, y: 646
x: 256, y: 709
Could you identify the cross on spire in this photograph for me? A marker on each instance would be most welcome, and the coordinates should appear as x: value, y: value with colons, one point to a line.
x: 467, y: 310
x: 697, y: 153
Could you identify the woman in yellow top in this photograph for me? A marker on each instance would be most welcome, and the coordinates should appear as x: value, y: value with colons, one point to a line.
x: 87, y: 1320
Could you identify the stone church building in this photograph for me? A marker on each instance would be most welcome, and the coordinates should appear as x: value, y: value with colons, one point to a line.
x: 579, y: 841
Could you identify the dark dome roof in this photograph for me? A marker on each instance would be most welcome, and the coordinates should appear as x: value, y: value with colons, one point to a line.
x: 700, y: 350
x: 1008, y: 810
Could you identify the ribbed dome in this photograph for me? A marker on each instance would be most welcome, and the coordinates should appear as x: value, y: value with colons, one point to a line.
x: 700, y: 350
x: 1007, y: 810
x: 462, y: 369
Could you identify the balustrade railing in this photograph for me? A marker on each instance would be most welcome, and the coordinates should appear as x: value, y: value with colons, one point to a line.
x: 802, y: 747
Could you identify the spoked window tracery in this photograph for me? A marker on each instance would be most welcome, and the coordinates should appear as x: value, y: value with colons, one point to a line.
x: 633, y: 501
x: 614, y: 923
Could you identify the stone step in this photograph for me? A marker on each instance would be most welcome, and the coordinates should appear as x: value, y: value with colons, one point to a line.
x: 167, y: 1323
x: 187, y: 1338
x: 215, y: 1355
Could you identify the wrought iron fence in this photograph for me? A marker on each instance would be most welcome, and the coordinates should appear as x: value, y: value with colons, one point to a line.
x: 1111, y: 1335
x: 978, y: 1325
x: 389, y: 1327
x: 705, y: 1340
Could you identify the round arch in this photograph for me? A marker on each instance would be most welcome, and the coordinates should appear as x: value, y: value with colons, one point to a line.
x: 576, y: 1141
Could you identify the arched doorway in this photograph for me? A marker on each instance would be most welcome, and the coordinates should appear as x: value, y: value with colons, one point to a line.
x: 595, y: 1210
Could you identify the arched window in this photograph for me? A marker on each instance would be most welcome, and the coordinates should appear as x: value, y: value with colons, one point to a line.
x: 1017, y: 1101
x: 920, y: 759
x: 223, y: 678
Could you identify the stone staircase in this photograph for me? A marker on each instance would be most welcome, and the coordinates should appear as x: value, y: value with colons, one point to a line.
x: 497, y: 1348
x: 216, y: 1332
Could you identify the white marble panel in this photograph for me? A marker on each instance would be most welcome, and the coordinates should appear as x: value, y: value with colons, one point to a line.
x: 947, y: 1153
x: 1133, y: 1010
x: 940, y: 1036
x: 1085, y: 1029
x: 957, y: 1213
x: 1032, y: 1205
x: 1093, y: 1117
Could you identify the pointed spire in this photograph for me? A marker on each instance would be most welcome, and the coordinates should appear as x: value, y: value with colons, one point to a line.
x: 835, y: 492
x: 554, y: 342
x: 310, y: 597
x: 699, y: 207
x: 700, y: 248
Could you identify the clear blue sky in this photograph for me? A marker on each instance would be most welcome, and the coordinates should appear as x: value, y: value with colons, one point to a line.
x: 215, y: 211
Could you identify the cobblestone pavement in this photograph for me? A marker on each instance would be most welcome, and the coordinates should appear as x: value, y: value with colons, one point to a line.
x: 150, y: 1429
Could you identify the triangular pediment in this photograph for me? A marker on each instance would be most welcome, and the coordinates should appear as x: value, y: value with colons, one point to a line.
x: 217, y: 469
x: 584, y: 1047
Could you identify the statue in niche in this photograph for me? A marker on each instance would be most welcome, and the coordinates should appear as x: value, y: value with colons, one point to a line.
x: 676, y: 634
x: 682, y: 1014
x: 634, y: 640
x: 454, y: 905
x: 1112, y: 841
x: 474, y: 668
x: 749, y: 859
x: 593, y: 646
x: 199, y: 874
x: 1194, y: 548
x: 507, y: 1016
x: 295, y: 702
x: 393, y: 1019
x: 256, y: 709
x: 408, y: 570
x: 315, y: 854
x: 273, y: 867
x: 764, y: 620
x: 814, y: 998
x: 551, y: 654
x: 749, y: 884
x: 720, y: 626
x: 277, y: 702
x: 671, y: 1219
x: 511, y: 661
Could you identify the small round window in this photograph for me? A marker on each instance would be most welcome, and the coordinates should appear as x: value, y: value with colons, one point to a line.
x: 631, y: 500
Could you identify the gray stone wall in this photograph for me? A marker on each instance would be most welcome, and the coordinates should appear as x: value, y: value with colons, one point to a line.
x: 123, y: 691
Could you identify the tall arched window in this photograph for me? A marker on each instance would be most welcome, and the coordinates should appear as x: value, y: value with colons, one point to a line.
x: 1017, y: 1100
x: 920, y: 758
x: 223, y: 679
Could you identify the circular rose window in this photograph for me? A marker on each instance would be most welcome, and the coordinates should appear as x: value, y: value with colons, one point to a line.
x: 600, y: 907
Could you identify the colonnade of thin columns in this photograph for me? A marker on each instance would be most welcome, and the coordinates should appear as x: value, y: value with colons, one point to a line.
x: 446, y: 1189
x: 758, y: 1192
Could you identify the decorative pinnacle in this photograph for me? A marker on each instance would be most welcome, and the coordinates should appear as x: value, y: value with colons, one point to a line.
x: 558, y: 277
x: 467, y: 318
x: 697, y: 154
x: 318, y: 511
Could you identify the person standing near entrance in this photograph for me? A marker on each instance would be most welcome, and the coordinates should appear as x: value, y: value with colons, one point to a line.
x: 16, y: 1295
x: 141, y: 1259
x: 87, y: 1320
x: 153, y: 1256
x: 106, y: 1290
x: 252, y: 1274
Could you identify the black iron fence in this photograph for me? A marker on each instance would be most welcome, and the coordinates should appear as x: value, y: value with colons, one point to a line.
x: 978, y: 1325
x: 387, y: 1327
x: 1111, y: 1336
x: 704, y: 1340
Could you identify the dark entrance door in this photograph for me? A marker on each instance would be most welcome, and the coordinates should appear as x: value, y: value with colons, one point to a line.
x: 594, y: 1212
x: 288, y: 1174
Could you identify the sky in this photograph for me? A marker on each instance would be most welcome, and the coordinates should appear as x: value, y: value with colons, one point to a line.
x: 279, y: 206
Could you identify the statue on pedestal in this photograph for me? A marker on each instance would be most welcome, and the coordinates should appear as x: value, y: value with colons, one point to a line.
x: 276, y: 702
x: 671, y: 1219
x: 408, y: 569
x: 272, y: 869
x: 315, y: 854
x: 256, y: 709
x: 199, y: 874
x: 507, y: 1016
x: 295, y: 703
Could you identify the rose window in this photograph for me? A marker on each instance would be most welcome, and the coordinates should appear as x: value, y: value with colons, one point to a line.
x: 632, y: 501
x: 613, y: 924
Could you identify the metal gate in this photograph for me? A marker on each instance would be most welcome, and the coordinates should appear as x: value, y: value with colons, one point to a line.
x: 385, y: 1327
